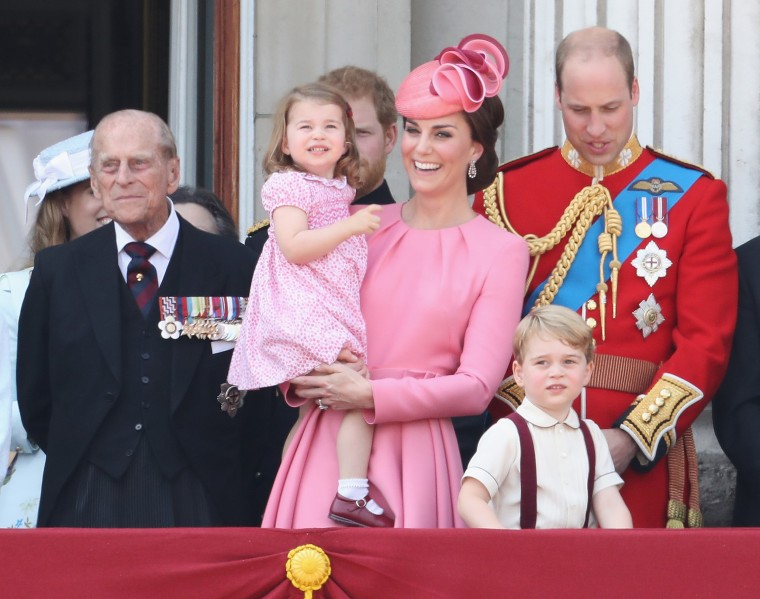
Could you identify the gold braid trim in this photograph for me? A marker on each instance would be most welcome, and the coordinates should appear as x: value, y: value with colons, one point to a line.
x: 257, y: 225
x: 510, y: 393
x: 695, y: 518
x: 577, y: 218
x: 491, y: 194
x: 654, y: 416
x: 682, y: 473
x: 588, y: 203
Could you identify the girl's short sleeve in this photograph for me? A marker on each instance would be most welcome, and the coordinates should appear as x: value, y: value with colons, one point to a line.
x: 287, y: 188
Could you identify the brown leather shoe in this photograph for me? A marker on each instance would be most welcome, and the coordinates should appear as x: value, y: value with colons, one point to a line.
x: 350, y: 512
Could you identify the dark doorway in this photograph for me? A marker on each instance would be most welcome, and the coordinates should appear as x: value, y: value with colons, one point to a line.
x: 85, y: 56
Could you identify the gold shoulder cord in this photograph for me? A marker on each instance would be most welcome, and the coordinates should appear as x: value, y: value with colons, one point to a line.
x: 257, y: 225
x: 577, y: 218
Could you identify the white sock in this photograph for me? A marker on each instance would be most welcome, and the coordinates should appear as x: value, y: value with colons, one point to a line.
x: 358, y: 488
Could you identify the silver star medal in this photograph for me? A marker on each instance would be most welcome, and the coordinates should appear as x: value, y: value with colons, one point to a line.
x: 648, y: 316
x: 651, y: 263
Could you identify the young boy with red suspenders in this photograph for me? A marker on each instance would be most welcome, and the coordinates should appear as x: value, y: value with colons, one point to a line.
x: 543, y: 466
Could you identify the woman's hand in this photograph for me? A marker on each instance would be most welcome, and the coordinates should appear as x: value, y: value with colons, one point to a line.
x: 335, y: 386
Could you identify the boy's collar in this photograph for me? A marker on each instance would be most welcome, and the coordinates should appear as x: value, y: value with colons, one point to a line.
x: 537, y: 417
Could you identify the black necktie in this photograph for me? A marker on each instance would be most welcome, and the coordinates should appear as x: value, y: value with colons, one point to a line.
x: 141, y: 274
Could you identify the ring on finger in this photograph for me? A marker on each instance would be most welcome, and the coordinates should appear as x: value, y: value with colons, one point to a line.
x: 321, y: 405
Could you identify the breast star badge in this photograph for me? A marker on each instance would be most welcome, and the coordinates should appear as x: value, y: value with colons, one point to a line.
x: 648, y: 316
x: 231, y: 399
x: 651, y: 263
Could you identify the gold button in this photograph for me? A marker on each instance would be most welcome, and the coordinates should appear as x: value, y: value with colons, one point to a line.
x: 591, y: 304
x: 591, y: 322
x: 659, y: 401
x: 665, y: 394
x: 139, y: 277
x: 653, y: 408
x: 646, y: 416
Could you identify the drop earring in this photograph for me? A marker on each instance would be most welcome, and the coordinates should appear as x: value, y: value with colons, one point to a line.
x: 472, y: 171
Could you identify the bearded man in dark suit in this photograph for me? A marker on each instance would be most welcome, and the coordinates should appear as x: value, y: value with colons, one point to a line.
x: 128, y: 418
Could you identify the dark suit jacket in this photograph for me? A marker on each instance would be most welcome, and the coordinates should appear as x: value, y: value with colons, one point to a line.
x: 69, y: 363
x: 736, y: 405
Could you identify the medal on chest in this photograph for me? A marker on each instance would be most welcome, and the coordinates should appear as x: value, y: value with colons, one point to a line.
x: 660, y: 213
x: 203, y: 317
x: 648, y: 316
x: 651, y: 263
x: 643, y: 228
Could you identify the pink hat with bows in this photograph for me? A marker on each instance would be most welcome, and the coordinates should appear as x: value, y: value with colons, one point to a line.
x: 458, y: 79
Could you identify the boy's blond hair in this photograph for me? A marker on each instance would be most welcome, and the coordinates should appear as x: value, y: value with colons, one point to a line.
x: 554, y: 322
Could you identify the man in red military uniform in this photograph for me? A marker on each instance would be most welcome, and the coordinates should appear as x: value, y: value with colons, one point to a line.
x: 639, y: 245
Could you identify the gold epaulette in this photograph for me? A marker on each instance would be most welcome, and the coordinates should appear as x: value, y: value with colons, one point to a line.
x: 687, y: 164
x: 257, y: 225
x: 510, y: 393
x: 653, y: 417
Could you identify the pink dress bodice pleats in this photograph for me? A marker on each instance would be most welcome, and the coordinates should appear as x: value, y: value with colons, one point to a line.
x: 441, y: 307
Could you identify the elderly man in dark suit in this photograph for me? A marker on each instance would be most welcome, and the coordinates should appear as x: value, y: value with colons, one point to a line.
x: 736, y: 405
x: 128, y: 417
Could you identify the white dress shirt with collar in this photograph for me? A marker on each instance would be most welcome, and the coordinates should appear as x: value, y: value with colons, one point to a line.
x: 163, y: 240
x: 561, y: 468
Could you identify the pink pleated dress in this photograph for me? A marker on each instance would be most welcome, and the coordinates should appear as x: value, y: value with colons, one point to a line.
x: 441, y: 307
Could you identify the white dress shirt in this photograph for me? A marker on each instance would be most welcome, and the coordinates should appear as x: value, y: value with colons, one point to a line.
x: 163, y: 240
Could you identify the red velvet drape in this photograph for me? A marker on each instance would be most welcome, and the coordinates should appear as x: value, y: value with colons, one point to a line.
x: 469, y: 564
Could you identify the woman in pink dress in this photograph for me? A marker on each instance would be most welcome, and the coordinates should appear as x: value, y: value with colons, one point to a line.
x: 304, y: 303
x: 441, y: 299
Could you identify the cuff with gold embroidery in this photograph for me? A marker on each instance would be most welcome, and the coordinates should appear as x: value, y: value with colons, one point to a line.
x: 510, y: 393
x: 651, y: 420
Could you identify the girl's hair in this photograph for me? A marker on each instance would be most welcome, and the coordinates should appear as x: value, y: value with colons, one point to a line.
x: 277, y: 160
x: 484, y: 128
x: 554, y: 322
x: 51, y: 227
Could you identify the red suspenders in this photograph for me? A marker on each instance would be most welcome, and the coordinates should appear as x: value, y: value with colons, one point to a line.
x: 528, y: 484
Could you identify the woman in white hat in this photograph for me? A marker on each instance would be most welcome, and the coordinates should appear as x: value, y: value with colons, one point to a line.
x: 67, y: 209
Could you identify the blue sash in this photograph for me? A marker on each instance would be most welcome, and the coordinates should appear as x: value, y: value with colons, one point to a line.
x: 578, y: 286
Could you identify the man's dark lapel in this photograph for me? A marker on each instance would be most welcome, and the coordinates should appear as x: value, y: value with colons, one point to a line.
x: 96, y: 272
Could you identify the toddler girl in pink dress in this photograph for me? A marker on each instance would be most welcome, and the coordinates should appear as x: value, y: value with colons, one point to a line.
x: 304, y: 302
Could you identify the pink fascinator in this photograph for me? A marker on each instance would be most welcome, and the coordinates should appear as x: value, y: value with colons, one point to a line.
x: 458, y: 79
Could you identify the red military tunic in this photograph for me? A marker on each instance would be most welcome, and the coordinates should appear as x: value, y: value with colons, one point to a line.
x: 652, y: 386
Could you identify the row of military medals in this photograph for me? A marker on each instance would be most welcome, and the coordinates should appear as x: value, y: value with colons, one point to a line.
x: 651, y: 217
x: 208, y: 318
x: 651, y: 262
